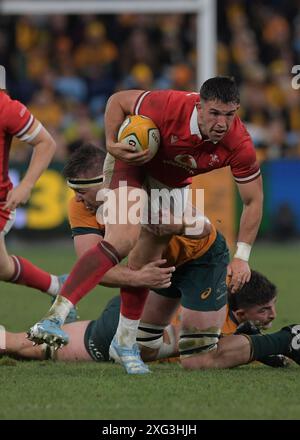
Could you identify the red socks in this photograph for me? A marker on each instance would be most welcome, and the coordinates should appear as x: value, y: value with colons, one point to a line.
x: 132, y: 301
x: 89, y: 270
x: 30, y: 275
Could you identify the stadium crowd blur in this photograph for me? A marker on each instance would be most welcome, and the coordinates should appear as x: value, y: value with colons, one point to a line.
x: 65, y: 67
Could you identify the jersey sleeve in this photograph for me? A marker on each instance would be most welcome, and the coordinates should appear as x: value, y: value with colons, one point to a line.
x: 153, y: 105
x: 82, y: 221
x: 18, y: 118
x: 243, y: 162
x: 244, y: 165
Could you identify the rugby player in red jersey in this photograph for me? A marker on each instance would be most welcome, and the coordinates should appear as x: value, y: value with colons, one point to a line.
x: 199, y: 133
x: 16, y: 120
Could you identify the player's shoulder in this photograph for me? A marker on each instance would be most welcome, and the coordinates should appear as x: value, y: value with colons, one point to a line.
x: 7, y: 101
x: 188, y: 98
x: 238, y: 131
x: 172, y: 95
x: 180, y: 104
x: 76, y: 208
x: 4, y: 100
x: 14, y: 112
x: 238, y: 137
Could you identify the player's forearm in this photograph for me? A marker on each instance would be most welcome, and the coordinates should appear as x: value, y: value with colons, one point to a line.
x: 19, y: 347
x: 42, y: 155
x: 250, y: 222
x: 121, y: 276
x: 113, y: 118
x: 118, y: 107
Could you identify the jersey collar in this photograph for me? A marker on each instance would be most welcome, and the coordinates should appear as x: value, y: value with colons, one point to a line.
x: 194, y: 124
x: 195, y: 128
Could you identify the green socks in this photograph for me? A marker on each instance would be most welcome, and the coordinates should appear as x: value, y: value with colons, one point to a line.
x: 265, y: 345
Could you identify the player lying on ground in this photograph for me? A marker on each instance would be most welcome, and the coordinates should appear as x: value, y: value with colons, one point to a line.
x: 17, y: 121
x: 87, y: 231
x: 201, y: 267
x: 199, y: 133
x: 251, y: 309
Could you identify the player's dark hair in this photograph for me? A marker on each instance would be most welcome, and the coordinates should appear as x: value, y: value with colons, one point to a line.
x: 220, y: 88
x: 86, y: 160
x: 258, y: 291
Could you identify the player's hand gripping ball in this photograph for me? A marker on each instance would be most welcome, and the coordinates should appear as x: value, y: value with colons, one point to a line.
x: 140, y: 132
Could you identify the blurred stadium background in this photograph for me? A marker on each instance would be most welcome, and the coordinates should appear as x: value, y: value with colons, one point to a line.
x: 64, y: 66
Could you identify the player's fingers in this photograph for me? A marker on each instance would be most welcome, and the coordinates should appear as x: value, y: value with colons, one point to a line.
x: 248, y: 276
x: 244, y: 278
x: 139, y: 155
x: 130, y: 156
x: 157, y: 263
x: 164, y: 285
x: 140, y: 161
x: 169, y: 270
x: 10, y: 204
x: 235, y: 283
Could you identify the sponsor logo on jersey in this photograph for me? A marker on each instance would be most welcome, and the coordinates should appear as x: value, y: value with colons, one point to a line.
x: 187, y: 160
x: 205, y: 294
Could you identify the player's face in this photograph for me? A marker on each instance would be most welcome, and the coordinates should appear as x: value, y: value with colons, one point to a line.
x: 262, y: 315
x: 88, y: 197
x: 215, y: 118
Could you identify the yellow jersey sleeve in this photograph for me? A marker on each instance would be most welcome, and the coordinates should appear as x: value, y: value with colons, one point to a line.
x: 82, y: 221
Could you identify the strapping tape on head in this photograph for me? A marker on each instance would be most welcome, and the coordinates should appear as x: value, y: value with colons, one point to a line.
x: 83, y: 183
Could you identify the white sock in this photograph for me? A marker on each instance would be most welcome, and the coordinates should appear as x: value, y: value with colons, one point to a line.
x: 54, y: 286
x: 60, y: 308
x: 127, y: 331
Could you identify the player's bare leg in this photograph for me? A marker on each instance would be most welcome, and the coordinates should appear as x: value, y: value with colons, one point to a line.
x: 18, y: 270
x: 158, y: 338
x: 6, y: 263
x: 199, y: 342
x: 148, y: 248
x: 120, y: 236
x: 199, y: 347
x: 19, y: 347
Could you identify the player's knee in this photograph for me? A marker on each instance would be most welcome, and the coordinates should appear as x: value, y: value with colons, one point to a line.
x: 6, y: 269
x: 197, y: 347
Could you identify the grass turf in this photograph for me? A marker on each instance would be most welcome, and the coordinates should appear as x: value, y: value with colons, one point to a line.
x: 47, y: 390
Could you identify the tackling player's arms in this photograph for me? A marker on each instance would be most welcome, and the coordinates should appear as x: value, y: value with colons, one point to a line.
x: 150, y: 275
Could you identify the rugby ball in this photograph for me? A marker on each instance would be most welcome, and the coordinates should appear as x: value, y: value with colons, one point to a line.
x: 141, y: 132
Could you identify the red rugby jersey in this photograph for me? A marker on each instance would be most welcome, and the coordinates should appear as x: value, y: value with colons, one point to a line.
x: 183, y: 153
x: 15, y: 120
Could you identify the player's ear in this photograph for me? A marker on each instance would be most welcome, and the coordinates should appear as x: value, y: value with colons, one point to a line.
x: 199, y: 105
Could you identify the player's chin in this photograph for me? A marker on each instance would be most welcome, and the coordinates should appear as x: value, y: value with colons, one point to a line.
x: 216, y: 137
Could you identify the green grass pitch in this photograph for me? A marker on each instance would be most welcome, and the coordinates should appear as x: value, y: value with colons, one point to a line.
x: 49, y: 390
